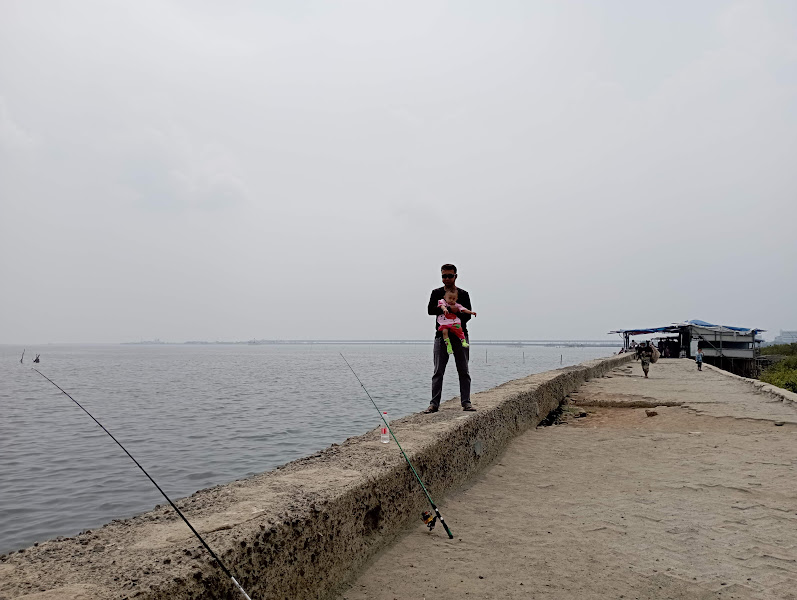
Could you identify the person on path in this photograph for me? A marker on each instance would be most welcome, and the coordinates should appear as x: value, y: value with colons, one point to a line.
x: 645, y: 354
x: 448, y: 273
x: 699, y: 359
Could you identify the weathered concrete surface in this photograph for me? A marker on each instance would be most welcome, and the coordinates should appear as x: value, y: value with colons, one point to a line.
x: 676, y: 381
x: 698, y: 501
x: 299, y: 531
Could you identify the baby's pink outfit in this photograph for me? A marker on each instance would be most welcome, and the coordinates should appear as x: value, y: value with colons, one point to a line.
x: 449, y: 318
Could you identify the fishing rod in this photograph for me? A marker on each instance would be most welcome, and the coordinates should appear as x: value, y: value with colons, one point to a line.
x: 427, y: 518
x: 174, y: 506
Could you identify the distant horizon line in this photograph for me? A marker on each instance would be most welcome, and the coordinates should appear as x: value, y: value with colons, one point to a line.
x: 367, y: 341
x: 277, y: 341
x: 264, y: 342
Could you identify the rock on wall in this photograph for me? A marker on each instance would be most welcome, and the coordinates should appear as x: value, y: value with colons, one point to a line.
x: 302, y: 530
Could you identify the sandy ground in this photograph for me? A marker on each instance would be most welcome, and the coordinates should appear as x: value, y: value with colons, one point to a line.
x: 697, y: 501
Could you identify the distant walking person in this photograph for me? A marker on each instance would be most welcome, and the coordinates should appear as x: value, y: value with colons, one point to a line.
x: 699, y: 359
x: 645, y: 354
x: 460, y: 351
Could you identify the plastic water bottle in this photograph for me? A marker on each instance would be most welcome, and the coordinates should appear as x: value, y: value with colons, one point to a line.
x: 384, y: 436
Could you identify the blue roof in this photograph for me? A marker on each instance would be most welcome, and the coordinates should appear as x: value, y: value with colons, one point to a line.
x: 675, y: 326
x: 648, y: 330
x: 700, y: 323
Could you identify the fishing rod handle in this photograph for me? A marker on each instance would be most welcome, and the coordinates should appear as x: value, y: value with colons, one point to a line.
x: 238, y: 585
x: 448, y: 531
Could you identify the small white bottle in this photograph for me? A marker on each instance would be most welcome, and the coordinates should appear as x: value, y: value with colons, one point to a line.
x: 384, y: 436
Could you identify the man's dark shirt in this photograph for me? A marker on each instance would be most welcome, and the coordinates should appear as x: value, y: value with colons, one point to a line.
x: 463, y: 299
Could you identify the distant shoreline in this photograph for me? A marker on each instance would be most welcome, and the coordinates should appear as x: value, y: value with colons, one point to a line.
x: 425, y: 342
x: 576, y: 343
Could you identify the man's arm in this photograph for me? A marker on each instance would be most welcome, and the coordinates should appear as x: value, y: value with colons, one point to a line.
x: 434, y: 308
x: 464, y: 300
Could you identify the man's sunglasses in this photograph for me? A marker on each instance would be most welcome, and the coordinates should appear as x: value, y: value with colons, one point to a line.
x: 449, y: 276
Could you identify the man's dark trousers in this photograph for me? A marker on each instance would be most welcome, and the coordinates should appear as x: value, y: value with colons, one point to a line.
x: 461, y: 356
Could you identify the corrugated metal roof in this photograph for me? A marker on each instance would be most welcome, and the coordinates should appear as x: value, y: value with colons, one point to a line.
x: 676, y: 326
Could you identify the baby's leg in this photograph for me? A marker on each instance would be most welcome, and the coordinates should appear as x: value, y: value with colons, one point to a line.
x: 444, y: 331
x: 460, y: 334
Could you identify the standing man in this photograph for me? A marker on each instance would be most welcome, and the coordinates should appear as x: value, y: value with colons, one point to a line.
x: 461, y: 355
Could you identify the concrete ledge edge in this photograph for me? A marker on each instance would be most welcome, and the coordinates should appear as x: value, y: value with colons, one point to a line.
x: 767, y: 388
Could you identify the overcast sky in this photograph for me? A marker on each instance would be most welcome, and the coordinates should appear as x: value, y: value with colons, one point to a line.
x: 232, y: 170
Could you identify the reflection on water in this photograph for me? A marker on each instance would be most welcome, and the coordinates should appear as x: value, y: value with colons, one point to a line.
x: 198, y: 416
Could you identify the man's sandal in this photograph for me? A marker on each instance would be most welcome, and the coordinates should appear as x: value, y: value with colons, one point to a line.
x: 469, y: 407
x: 432, y: 409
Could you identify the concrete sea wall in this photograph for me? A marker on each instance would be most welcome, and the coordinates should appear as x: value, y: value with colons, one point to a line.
x: 302, y: 530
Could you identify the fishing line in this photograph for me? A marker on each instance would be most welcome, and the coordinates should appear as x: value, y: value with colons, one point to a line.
x: 429, y: 522
x: 174, y: 506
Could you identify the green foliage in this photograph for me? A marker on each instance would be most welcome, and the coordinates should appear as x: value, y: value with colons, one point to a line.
x: 782, y: 349
x: 783, y: 374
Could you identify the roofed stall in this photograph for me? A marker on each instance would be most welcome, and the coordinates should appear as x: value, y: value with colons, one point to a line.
x: 735, y: 349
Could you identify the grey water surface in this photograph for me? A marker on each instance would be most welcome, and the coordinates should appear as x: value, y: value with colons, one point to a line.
x: 195, y: 416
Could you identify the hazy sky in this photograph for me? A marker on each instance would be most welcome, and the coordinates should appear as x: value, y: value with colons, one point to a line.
x: 232, y: 170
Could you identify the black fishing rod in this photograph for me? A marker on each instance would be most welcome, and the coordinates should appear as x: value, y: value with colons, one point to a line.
x: 426, y: 517
x: 169, y: 500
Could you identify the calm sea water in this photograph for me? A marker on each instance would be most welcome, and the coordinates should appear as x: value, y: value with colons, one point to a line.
x: 197, y: 416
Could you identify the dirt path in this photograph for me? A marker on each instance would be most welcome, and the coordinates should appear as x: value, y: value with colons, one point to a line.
x: 698, y: 501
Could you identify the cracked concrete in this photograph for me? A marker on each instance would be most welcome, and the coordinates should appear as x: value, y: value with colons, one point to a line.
x: 677, y: 382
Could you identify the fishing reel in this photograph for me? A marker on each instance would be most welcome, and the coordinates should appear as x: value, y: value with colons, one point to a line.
x: 428, y: 519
